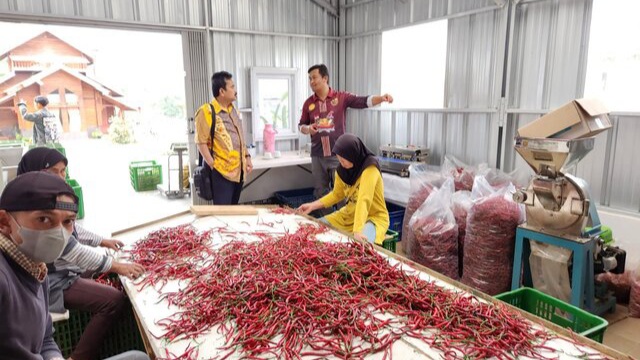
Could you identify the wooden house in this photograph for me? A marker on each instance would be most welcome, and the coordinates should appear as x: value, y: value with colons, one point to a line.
x: 46, y: 65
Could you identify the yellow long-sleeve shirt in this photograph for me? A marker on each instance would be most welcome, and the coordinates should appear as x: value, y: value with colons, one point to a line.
x: 364, y: 202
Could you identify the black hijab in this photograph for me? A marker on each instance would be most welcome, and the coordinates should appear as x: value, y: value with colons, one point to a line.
x: 40, y: 158
x: 353, y: 149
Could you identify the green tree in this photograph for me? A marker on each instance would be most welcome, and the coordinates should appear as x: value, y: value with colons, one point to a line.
x: 172, y: 106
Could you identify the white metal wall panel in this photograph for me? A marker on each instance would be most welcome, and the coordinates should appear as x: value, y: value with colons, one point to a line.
x: 29, y: 6
x: 387, y: 14
x: 474, y: 66
x: 623, y: 183
x: 547, y: 69
x: 94, y: 9
x: 282, y: 16
x: 175, y: 12
x: 63, y: 7
x: 124, y: 10
x: 151, y: 11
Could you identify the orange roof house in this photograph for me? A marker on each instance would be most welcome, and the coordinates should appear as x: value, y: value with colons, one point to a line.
x: 47, y: 65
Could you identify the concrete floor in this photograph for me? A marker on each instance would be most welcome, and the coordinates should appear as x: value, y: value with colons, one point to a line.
x: 110, y: 202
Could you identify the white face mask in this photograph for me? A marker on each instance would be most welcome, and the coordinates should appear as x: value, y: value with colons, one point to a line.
x: 43, y: 245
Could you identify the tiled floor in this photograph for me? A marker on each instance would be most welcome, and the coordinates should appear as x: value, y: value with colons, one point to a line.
x: 623, y: 333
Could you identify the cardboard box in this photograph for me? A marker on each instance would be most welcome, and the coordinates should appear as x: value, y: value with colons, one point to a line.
x: 578, y: 119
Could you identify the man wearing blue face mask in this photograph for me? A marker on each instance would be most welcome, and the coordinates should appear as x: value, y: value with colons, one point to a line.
x: 37, y: 212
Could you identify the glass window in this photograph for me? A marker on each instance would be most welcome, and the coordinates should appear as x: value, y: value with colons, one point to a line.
x: 613, y: 65
x: 414, y: 64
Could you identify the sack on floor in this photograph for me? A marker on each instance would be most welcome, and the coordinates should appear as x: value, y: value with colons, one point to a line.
x: 202, y: 182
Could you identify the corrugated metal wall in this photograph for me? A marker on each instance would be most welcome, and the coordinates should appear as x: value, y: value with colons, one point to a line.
x: 547, y: 55
x: 548, y: 40
x: 175, y: 12
x: 297, y: 34
x: 474, y: 73
x: 547, y: 69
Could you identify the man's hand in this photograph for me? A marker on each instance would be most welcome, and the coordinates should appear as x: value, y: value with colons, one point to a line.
x: 249, y: 165
x: 313, y: 129
x: 132, y: 270
x: 112, y: 244
x: 387, y: 98
x: 22, y: 103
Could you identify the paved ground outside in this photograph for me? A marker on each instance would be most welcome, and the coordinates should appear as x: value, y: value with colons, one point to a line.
x: 102, y: 169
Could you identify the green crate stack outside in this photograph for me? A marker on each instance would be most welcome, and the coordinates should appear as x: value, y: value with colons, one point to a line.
x: 549, y: 308
x: 78, y: 190
x: 145, y: 175
x: 56, y: 146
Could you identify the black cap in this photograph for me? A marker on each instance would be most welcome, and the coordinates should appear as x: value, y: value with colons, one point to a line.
x: 37, y: 190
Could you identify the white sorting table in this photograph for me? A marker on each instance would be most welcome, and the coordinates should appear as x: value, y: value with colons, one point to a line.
x: 149, y: 311
x: 290, y: 171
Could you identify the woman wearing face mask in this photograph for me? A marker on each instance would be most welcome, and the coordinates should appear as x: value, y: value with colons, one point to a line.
x: 67, y: 290
x: 359, y: 182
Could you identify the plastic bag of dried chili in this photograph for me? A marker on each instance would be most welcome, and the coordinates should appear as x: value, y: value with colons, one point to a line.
x: 620, y: 284
x: 490, y: 238
x: 634, y: 298
x: 462, y: 173
x: 460, y: 206
x: 435, y: 233
x: 422, y: 180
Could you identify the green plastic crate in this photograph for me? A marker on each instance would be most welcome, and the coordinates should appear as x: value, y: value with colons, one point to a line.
x: 145, y: 175
x: 78, y: 190
x: 124, y: 335
x: 545, y: 306
x: 390, y: 241
x: 56, y: 146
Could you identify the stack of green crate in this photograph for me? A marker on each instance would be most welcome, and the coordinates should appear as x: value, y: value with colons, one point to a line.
x: 145, y: 175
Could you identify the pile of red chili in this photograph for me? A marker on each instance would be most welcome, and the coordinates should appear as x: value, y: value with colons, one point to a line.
x: 170, y: 254
x: 291, y: 295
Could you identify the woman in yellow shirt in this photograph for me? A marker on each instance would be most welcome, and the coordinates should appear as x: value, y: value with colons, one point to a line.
x: 359, y: 182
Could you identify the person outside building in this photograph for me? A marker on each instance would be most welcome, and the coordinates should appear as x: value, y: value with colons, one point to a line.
x: 46, y: 126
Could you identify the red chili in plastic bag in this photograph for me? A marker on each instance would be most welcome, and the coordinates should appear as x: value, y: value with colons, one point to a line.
x: 460, y: 213
x: 489, y: 244
x: 415, y: 201
x: 634, y: 298
x: 436, y: 245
